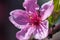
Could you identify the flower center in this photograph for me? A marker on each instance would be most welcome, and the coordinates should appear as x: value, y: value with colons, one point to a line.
x: 35, y: 19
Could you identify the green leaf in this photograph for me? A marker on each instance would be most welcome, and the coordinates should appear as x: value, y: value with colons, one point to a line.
x: 53, y: 18
x: 56, y: 5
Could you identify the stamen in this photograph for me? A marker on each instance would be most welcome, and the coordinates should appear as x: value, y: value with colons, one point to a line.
x: 35, y: 18
x: 30, y: 17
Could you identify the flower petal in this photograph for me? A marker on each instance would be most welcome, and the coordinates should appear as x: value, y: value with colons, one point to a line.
x: 25, y: 33
x: 19, y: 18
x: 30, y: 5
x: 42, y: 31
x: 46, y: 9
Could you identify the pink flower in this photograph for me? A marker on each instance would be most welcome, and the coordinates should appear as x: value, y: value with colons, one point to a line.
x: 32, y: 21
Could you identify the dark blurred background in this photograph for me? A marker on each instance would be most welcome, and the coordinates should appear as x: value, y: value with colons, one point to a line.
x: 7, y: 30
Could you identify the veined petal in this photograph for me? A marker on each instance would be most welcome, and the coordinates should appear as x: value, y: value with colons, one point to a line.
x: 42, y: 31
x: 25, y: 33
x: 30, y: 5
x: 19, y: 18
x: 46, y: 9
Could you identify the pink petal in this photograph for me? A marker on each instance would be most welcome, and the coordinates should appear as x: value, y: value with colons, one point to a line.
x: 19, y: 18
x: 31, y: 5
x: 42, y: 31
x: 46, y: 9
x: 25, y: 33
